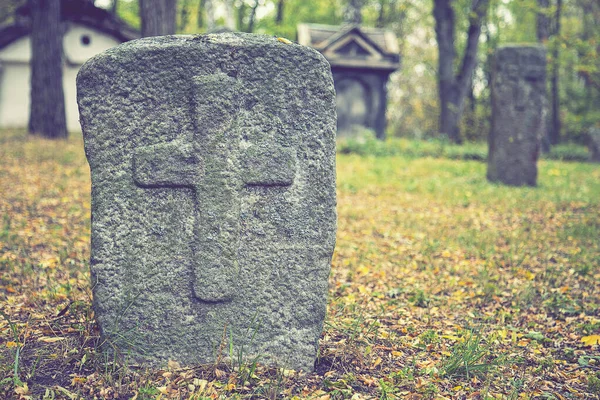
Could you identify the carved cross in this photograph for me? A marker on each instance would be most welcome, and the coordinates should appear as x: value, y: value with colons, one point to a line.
x: 523, y: 73
x: 206, y: 165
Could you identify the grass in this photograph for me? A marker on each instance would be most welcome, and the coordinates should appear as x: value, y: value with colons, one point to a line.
x: 442, y: 286
x: 369, y: 146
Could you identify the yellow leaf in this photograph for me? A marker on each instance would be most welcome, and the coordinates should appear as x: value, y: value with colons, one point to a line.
x: 363, y: 270
x: 77, y: 379
x: 591, y: 340
x: 50, y: 262
x: 162, y: 389
x: 450, y: 337
x: 47, y: 339
x: 24, y: 389
x: 529, y: 275
x: 70, y: 395
x: 201, y: 384
x: 11, y: 344
x: 284, y: 40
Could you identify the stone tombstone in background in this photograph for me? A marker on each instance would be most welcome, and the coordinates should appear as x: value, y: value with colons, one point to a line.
x: 594, y: 144
x: 518, y: 114
x: 213, y: 197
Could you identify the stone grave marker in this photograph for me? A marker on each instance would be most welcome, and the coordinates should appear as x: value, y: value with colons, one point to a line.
x: 594, y: 144
x: 518, y: 114
x: 213, y: 197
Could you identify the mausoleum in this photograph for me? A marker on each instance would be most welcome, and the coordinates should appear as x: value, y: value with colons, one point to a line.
x: 362, y: 60
x: 88, y: 30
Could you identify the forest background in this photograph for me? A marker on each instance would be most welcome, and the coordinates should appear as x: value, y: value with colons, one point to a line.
x: 570, y: 29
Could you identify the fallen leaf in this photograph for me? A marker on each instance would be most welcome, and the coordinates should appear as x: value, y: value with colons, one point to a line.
x: 162, y: 389
x: 47, y: 339
x: 173, y: 365
x: 591, y: 340
x: 23, y: 389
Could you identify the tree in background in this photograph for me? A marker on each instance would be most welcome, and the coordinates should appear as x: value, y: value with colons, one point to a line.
x: 547, y: 26
x: 415, y: 104
x: 279, y: 15
x: 229, y: 8
x: 252, y: 17
x: 292, y: 12
x: 158, y: 17
x: 555, y: 126
x: 588, y: 54
x: 47, y: 112
x: 453, y: 88
x: 184, y: 14
x: 353, y: 11
x: 8, y: 10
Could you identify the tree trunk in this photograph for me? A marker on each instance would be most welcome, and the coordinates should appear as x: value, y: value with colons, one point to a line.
x: 230, y: 15
x: 252, y: 18
x: 209, y: 7
x: 554, y: 133
x: 113, y: 7
x: 279, y: 15
x: 591, y: 22
x: 453, y: 88
x: 241, y: 15
x: 542, y: 24
x: 381, y: 16
x: 542, y: 21
x: 184, y: 15
x: 353, y: 12
x: 47, y: 114
x: 200, y: 15
x: 158, y: 17
x: 444, y: 32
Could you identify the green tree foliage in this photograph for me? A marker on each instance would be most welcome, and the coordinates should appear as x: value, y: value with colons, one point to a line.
x: 296, y: 12
x: 413, y: 94
x: 579, y: 71
x: 413, y: 104
x: 8, y: 10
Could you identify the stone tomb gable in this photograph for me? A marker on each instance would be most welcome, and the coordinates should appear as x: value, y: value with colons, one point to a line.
x: 213, y: 196
x: 362, y: 60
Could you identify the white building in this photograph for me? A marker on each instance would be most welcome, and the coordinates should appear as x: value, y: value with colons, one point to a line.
x: 88, y: 31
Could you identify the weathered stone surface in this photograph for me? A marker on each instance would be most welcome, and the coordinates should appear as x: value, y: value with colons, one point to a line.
x: 594, y: 144
x: 518, y: 114
x: 213, y: 197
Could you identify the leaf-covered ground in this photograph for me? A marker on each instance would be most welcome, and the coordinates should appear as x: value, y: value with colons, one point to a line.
x: 442, y: 286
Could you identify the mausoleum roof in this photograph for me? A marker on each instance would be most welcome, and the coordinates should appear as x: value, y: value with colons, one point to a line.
x: 352, y: 46
x: 76, y: 11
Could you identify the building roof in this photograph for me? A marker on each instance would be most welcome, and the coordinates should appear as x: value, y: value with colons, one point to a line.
x: 352, y: 46
x: 78, y: 11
